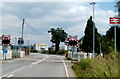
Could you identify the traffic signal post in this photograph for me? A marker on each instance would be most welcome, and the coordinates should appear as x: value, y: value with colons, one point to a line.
x: 73, y: 43
x: 5, y: 43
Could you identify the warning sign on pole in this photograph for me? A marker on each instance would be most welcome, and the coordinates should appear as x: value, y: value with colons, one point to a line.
x: 114, y: 20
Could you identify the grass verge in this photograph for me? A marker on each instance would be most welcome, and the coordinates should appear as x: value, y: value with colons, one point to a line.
x: 106, y: 66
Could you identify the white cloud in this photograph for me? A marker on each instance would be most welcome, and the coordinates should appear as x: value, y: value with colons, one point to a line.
x: 102, y: 20
x: 11, y: 25
x: 7, y: 8
x: 36, y: 10
x: 10, y: 21
x: 71, y: 17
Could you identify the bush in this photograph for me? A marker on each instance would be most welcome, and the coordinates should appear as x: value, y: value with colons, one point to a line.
x: 61, y: 52
x: 15, y: 55
x: 106, y: 66
x: 44, y: 52
x: 51, y: 52
x: 83, y: 64
x: 34, y: 51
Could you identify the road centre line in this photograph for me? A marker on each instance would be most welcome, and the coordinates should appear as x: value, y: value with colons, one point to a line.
x: 30, y: 66
x: 11, y: 73
x: 40, y: 60
x: 65, y: 69
x: 14, y: 71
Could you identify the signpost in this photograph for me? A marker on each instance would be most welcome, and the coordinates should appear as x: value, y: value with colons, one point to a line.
x: 4, y: 53
x: 115, y: 21
x: 73, y: 43
x: 5, y: 43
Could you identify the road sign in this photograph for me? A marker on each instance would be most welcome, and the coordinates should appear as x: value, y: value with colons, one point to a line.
x: 6, y: 40
x: 20, y: 41
x: 72, y: 41
x: 5, y: 50
x: 114, y: 20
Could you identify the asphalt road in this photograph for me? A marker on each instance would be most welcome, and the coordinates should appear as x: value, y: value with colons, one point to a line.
x: 37, y: 65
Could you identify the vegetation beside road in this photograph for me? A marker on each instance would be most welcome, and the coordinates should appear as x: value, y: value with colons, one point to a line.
x: 33, y: 51
x: 106, y: 66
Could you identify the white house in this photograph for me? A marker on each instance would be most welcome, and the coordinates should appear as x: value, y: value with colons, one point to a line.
x: 41, y: 47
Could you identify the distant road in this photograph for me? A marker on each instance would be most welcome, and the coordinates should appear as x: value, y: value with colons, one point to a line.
x: 36, y: 65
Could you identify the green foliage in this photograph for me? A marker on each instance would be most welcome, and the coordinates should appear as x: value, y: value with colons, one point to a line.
x: 106, y: 66
x: 44, y: 52
x: 84, y: 64
x: 51, y: 51
x: 107, y: 45
x: 87, y: 45
x: 33, y: 51
x: 15, y: 55
x: 58, y: 35
x: 110, y: 36
x: 61, y: 52
x: 106, y: 41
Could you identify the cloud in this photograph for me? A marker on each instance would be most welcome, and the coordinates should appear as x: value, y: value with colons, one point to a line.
x: 10, y: 23
x: 102, y: 20
x: 40, y: 17
x: 36, y: 10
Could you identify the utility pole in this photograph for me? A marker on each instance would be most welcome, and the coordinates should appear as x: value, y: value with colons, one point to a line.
x: 115, y: 39
x: 22, y: 28
x: 118, y: 9
x: 28, y: 46
x: 93, y: 3
x: 21, y: 41
x: 15, y: 43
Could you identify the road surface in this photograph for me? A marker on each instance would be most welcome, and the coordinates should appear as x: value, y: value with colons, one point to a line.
x: 37, y: 65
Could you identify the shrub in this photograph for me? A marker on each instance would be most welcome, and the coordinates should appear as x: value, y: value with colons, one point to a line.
x: 34, y: 51
x: 15, y: 55
x: 106, y: 66
x: 85, y: 63
x: 61, y: 52
x: 44, y: 52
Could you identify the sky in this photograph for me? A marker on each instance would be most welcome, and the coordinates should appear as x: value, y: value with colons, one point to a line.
x: 40, y: 16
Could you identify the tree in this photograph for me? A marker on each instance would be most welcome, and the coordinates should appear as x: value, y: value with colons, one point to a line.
x: 110, y: 35
x: 87, y: 44
x: 118, y: 7
x: 107, y: 44
x: 58, y: 35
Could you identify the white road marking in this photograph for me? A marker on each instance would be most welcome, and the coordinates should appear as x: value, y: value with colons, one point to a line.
x: 14, y: 71
x: 30, y: 66
x: 33, y: 63
x: 66, y: 69
x: 41, y: 60
x: 10, y: 75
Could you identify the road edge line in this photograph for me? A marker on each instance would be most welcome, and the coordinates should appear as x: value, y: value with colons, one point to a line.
x: 66, y: 69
